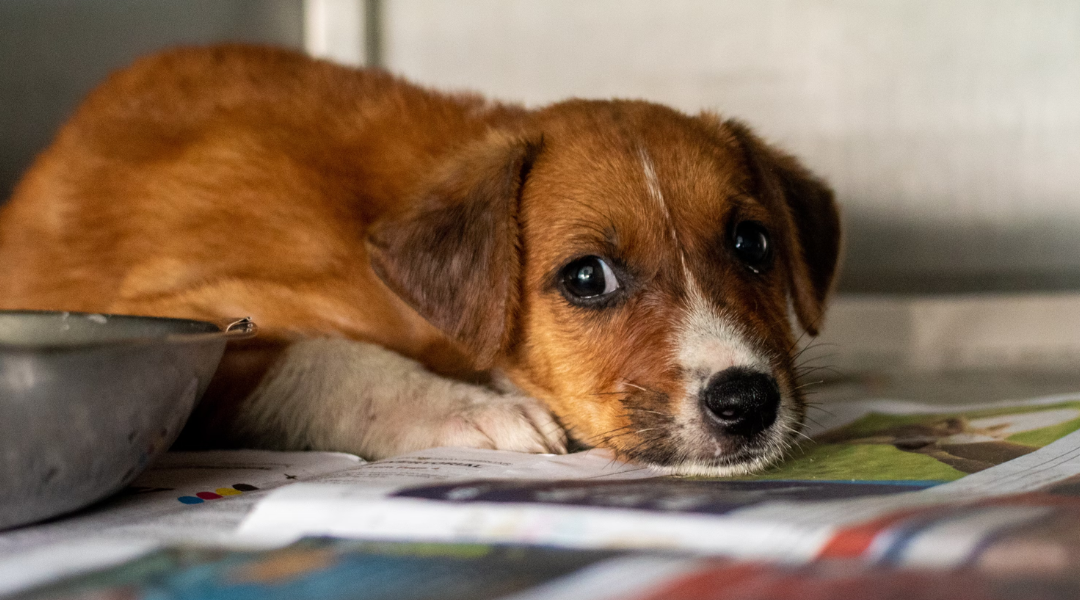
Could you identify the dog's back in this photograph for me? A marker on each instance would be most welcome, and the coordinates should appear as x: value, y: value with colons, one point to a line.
x: 209, y: 183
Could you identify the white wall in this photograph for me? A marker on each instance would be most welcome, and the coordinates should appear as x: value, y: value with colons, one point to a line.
x: 335, y: 29
x: 950, y: 128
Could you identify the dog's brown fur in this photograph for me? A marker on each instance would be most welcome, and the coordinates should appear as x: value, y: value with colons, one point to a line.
x: 321, y: 200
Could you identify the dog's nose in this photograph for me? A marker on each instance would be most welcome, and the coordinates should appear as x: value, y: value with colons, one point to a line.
x: 743, y: 402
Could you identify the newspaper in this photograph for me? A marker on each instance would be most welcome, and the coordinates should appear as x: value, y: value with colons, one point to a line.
x: 202, y: 497
x: 333, y: 568
x: 896, y: 482
x: 197, y: 497
x: 885, y: 483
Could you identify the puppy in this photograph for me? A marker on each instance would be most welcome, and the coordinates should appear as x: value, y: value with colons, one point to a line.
x: 431, y: 269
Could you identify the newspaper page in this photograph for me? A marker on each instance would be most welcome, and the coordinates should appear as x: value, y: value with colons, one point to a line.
x: 888, y: 483
x: 319, y: 569
x: 198, y: 497
x: 884, y: 483
x: 202, y: 497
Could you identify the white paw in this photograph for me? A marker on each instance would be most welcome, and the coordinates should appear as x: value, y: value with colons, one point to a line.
x: 483, y: 419
x: 329, y: 394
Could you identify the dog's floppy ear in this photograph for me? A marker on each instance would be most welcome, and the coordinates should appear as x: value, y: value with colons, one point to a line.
x: 810, y: 217
x: 454, y: 255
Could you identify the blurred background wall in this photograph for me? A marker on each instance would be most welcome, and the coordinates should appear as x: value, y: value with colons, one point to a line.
x: 950, y: 128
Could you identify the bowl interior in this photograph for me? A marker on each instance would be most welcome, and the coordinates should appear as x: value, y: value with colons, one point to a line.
x: 60, y: 329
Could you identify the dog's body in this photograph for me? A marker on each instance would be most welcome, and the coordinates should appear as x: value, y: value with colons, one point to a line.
x: 405, y: 253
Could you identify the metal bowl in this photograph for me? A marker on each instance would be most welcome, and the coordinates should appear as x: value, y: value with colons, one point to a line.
x: 87, y: 401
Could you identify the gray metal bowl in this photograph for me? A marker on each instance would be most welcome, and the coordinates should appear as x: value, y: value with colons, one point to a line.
x: 87, y: 401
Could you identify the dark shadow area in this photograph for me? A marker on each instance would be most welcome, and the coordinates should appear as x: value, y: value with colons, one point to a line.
x: 908, y: 257
x: 55, y: 51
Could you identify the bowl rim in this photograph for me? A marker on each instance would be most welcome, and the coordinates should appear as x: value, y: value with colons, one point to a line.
x: 227, y: 329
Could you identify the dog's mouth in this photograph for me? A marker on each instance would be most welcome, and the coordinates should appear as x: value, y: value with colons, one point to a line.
x: 740, y: 423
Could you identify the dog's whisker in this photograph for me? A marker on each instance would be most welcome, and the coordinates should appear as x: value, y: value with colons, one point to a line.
x: 789, y: 429
x: 804, y: 371
x: 816, y: 406
x: 814, y: 422
x: 654, y: 412
x: 803, y: 368
x: 806, y: 385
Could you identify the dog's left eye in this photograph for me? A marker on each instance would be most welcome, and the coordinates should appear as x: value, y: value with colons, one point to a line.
x: 589, y: 277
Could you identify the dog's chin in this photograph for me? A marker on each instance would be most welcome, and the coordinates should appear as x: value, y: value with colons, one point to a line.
x: 727, y: 458
x: 741, y: 464
x: 695, y: 448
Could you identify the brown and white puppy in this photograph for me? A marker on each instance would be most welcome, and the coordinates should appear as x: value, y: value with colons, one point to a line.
x: 619, y: 265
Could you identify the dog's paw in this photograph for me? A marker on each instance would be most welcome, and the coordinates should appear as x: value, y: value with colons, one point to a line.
x: 345, y: 396
x: 483, y: 419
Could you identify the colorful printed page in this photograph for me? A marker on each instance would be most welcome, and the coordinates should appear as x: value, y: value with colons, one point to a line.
x: 198, y: 497
x: 918, y: 446
x: 795, y: 512
x: 844, y: 495
x: 337, y: 569
x: 202, y: 497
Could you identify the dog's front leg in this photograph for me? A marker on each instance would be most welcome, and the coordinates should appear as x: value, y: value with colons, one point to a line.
x: 342, y: 395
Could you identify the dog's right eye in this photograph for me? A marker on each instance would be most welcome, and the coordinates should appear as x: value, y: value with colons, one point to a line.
x: 750, y: 240
x: 588, y: 277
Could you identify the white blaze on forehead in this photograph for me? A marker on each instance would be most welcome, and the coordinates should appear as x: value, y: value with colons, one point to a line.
x: 709, y: 343
x: 652, y: 183
x: 656, y: 194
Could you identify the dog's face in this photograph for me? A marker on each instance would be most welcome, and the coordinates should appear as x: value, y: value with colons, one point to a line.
x: 634, y: 269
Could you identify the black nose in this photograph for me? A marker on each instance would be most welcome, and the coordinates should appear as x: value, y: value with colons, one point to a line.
x: 743, y: 402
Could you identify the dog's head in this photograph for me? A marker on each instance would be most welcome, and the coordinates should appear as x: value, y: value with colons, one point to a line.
x: 635, y: 269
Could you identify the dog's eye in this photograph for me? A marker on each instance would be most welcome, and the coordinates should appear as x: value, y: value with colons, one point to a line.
x: 751, y: 243
x: 589, y: 277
